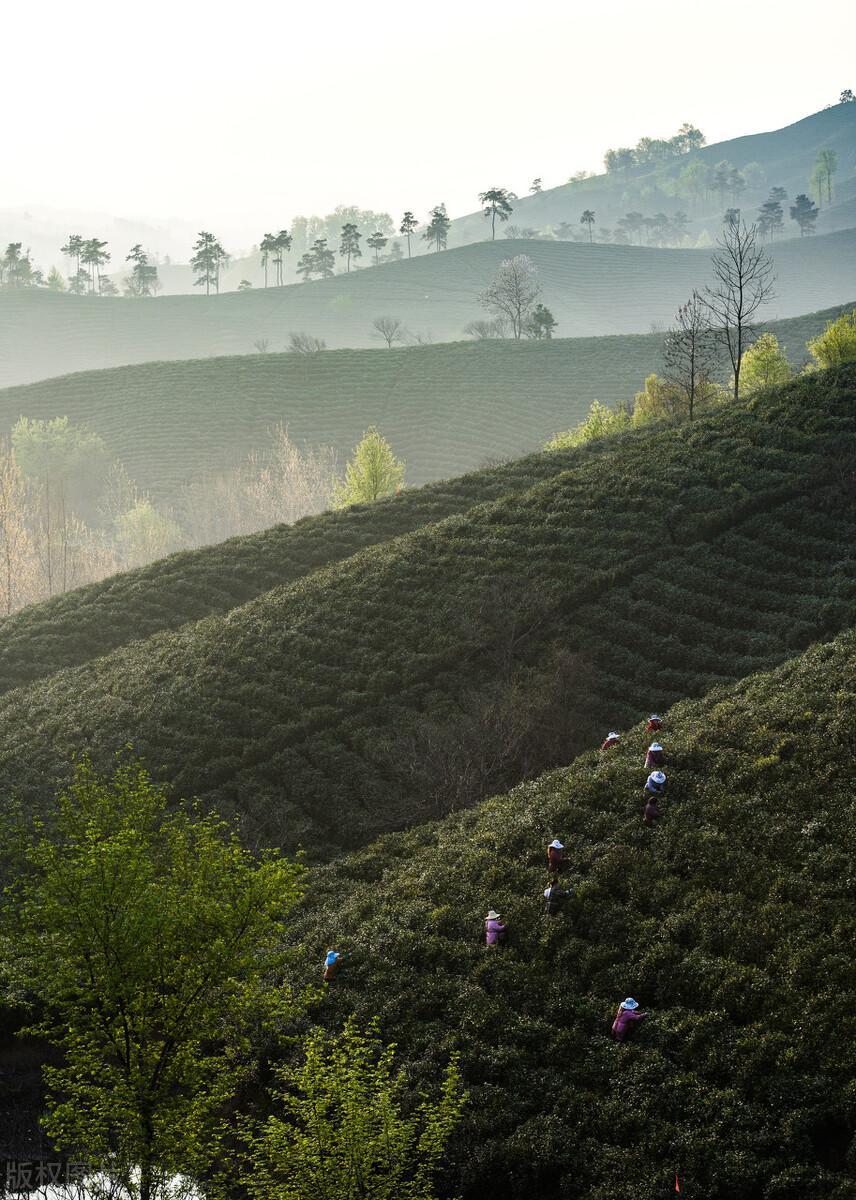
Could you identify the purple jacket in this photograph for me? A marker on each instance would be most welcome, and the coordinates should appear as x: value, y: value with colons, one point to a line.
x: 493, y: 932
x: 623, y: 1022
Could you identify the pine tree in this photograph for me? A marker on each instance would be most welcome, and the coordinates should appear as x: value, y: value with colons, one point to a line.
x: 377, y: 242
x: 349, y: 246
x: 437, y: 230
x: 407, y: 227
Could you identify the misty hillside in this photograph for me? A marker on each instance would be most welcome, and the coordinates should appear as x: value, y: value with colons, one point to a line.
x: 341, y: 706
x: 591, y: 290
x: 730, y: 922
x: 446, y: 409
x: 780, y: 158
x: 785, y: 157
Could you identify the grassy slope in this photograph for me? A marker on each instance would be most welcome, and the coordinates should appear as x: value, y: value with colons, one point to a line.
x: 296, y: 709
x: 731, y: 921
x: 592, y: 290
x: 446, y: 409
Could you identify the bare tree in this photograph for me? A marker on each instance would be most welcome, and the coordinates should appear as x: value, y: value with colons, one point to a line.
x: 389, y: 329
x: 743, y: 275
x: 513, y: 292
x: 690, y: 351
x: 262, y: 345
x: 305, y: 343
x: 482, y: 331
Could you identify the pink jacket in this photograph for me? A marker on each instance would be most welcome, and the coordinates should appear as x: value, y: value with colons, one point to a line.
x: 623, y: 1023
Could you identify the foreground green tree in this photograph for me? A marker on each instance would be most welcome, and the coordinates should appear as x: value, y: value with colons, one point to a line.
x: 513, y: 292
x: 142, y: 938
x: 601, y: 421
x: 837, y: 344
x: 348, y: 1129
x: 764, y: 364
x: 497, y: 203
x: 374, y: 471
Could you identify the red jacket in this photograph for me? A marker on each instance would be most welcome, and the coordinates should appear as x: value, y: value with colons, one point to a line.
x: 609, y: 742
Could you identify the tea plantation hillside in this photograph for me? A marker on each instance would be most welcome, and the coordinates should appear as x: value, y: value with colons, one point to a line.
x: 87, y: 623
x: 499, y: 640
x: 731, y: 921
x: 446, y: 409
x: 592, y: 290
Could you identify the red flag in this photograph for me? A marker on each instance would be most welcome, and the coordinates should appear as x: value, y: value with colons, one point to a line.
x: 677, y: 1182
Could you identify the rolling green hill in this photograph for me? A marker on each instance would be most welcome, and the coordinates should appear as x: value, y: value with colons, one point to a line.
x: 446, y: 409
x: 592, y: 290
x: 502, y: 638
x: 731, y: 922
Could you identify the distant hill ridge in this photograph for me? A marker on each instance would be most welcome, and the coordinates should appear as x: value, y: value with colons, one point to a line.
x: 326, y: 711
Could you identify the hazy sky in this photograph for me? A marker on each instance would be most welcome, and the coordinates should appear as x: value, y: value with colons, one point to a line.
x: 238, y: 116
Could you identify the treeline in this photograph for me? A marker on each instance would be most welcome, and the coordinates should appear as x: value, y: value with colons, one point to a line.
x: 654, y: 150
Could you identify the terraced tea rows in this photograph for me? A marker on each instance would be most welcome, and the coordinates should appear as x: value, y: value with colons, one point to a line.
x: 307, y: 710
x: 728, y: 921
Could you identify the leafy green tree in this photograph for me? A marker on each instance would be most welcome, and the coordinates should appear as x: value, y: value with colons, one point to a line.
x: 374, y: 471
x: 348, y: 1129
x: 536, y: 186
x: 513, y: 292
x: 78, y: 284
x: 143, y: 279
x: 847, y: 96
x: 208, y: 259
x: 282, y: 243
x: 349, y: 245
x: 266, y: 249
x: 408, y: 227
x: 376, y: 241
x: 804, y: 212
x: 736, y: 185
x: 437, y: 230
x: 55, y: 282
x: 837, y: 344
x: 106, y: 286
x: 143, y: 938
x: 497, y: 203
x: 541, y: 324
x: 764, y: 365
x: 600, y: 422
x: 721, y: 179
x: 588, y: 219
x: 245, y: 285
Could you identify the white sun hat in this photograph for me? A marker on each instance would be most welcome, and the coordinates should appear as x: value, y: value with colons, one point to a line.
x: 492, y: 916
x: 655, y: 746
x: 556, y: 845
x: 630, y: 1003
